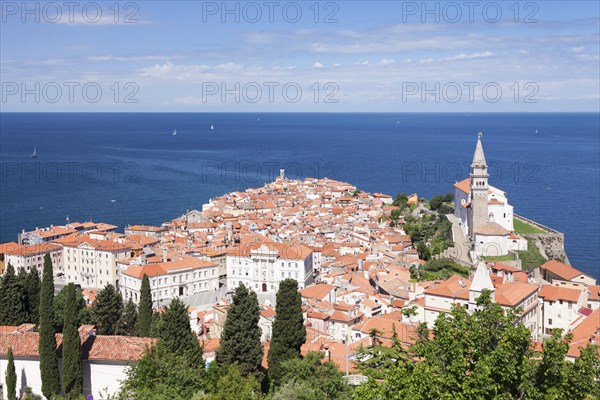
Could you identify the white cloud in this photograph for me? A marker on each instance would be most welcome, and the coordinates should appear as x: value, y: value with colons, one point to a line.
x: 155, y: 57
x: 464, y: 56
x: 317, y: 65
x: 386, y: 61
x: 577, y: 49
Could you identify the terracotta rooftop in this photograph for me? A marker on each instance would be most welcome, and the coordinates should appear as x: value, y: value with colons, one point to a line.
x: 562, y: 270
x: 554, y: 293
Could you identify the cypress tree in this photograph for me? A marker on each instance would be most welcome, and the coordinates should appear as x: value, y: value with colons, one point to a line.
x: 129, y: 319
x: 107, y: 310
x: 12, y: 299
x: 144, y: 322
x: 82, y: 312
x: 47, y: 342
x: 11, y: 376
x: 289, y: 332
x: 176, y: 335
x: 32, y: 293
x: 72, y: 369
x: 240, y: 341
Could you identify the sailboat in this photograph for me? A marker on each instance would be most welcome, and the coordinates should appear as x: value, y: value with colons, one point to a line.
x: 34, y: 155
x: 174, y: 132
x: 212, y: 127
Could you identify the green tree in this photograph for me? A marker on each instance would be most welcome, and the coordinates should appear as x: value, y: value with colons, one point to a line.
x: 583, y: 376
x: 400, y: 201
x: 289, y: 332
x: 324, y: 378
x: 369, y: 390
x: 232, y: 385
x: 378, y: 358
x: 47, y: 341
x: 81, y: 310
x: 553, y: 371
x: 240, y: 340
x: 32, y: 294
x: 72, y: 368
x: 144, y: 322
x: 161, y: 374
x: 176, y: 335
x: 107, y: 310
x: 12, y: 299
x: 11, y: 376
x: 128, y: 319
x: 483, y: 355
x: 423, y: 250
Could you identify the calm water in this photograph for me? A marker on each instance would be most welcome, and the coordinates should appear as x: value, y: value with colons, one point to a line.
x: 128, y: 168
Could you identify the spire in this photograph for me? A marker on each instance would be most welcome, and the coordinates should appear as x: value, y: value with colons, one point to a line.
x: 482, y: 279
x: 479, y: 157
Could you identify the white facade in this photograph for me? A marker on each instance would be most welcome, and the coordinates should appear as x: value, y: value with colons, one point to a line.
x: 93, y: 264
x: 170, y: 280
x: 100, y: 378
x: 560, y: 309
x: 491, y: 245
x: 499, y: 211
x: 32, y: 256
x: 264, y: 266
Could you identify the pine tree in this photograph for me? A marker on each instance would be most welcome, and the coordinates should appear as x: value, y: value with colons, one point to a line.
x: 72, y: 369
x: 240, y: 341
x: 176, y: 335
x: 289, y: 332
x: 107, y: 310
x: 144, y: 322
x: 32, y: 293
x: 128, y: 319
x: 47, y: 341
x: 11, y: 376
x: 12, y: 299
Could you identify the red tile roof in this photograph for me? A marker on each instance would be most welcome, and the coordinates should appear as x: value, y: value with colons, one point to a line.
x: 106, y: 348
x: 562, y: 270
x: 554, y: 293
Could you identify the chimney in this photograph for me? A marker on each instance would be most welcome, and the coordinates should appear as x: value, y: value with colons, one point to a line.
x: 164, y: 254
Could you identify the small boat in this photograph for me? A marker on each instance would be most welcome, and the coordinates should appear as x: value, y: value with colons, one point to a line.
x: 34, y: 155
x: 212, y: 127
x: 536, y: 131
x: 113, y: 201
x: 174, y: 132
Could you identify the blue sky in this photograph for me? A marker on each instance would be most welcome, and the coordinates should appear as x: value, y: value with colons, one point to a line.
x: 351, y: 56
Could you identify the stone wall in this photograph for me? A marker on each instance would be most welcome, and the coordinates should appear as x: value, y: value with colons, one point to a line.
x: 551, y: 244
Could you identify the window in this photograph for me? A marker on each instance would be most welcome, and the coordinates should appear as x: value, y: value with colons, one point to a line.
x: 560, y: 302
x: 549, y: 321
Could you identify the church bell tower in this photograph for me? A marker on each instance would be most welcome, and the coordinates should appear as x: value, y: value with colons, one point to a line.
x: 479, y: 190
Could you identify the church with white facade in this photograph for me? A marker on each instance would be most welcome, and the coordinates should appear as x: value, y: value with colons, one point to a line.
x: 485, y: 215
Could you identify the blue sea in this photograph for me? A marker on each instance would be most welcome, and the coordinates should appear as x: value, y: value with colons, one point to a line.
x: 129, y: 168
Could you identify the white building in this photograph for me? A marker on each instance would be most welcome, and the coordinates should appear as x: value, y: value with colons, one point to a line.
x: 262, y: 265
x: 92, y: 263
x: 485, y: 215
x: 30, y: 257
x: 560, y: 309
x: 461, y: 292
x: 180, y: 277
x: 105, y: 364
